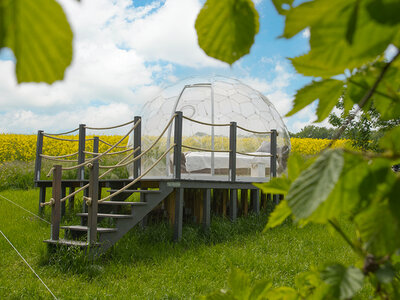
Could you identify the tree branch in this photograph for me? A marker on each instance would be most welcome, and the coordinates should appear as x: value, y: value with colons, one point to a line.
x: 363, y: 101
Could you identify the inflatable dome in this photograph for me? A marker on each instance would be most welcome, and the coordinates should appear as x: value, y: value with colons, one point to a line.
x: 217, y: 101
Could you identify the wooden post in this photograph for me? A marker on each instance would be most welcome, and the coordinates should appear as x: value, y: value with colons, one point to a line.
x: 255, y: 198
x: 81, y: 149
x: 56, y: 207
x: 245, y: 202
x: 274, y: 157
x: 81, y: 159
x: 63, y: 194
x: 232, y: 152
x: 39, y: 151
x: 206, y: 208
x: 178, y: 214
x: 178, y: 145
x: 233, y: 205
x: 137, y: 142
x: 71, y: 200
x: 38, y: 167
x: 93, y: 206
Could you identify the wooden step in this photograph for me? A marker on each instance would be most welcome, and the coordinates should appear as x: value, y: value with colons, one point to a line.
x: 122, y: 203
x: 136, y: 191
x: 99, y: 215
x: 63, y: 242
x: 85, y: 228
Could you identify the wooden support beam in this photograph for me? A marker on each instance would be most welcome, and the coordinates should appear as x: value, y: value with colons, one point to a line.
x: 255, y: 199
x: 178, y: 214
x: 178, y: 145
x: 233, y: 205
x: 71, y: 200
x: 206, y: 208
x: 137, y: 142
x: 56, y: 207
x: 244, y: 199
x: 42, y: 198
x: 93, y: 204
x: 63, y: 204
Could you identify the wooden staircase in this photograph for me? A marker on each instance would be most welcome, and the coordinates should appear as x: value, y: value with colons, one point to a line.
x: 134, y: 213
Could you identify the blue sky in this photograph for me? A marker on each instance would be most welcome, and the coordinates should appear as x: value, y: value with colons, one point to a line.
x: 125, y: 52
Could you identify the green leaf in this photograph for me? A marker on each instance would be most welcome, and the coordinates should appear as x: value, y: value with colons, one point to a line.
x: 279, y: 6
x: 386, y: 273
x: 345, y: 282
x: 282, y: 293
x: 345, y: 195
x: 351, y: 27
x: 386, y: 97
x: 277, y: 185
x: 226, y: 28
x: 379, y: 230
x: 259, y: 290
x: 39, y: 35
x: 281, y: 212
x: 330, y: 52
x: 315, y: 183
x: 328, y: 92
x: 239, y: 284
x: 391, y: 140
x: 307, y: 14
x: 384, y: 11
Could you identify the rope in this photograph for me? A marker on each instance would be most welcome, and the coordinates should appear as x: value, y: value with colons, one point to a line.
x: 60, y: 156
x: 204, y: 123
x: 28, y: 265
x: 137, y: 179
x: 64, y: 133
x: 204, y: 149
x: 104, y: 153
x: 117, y: 152
x: 104, y: 142
x: 61, y: 160
x: 112, y: 127
x: 256, y: 155
x: 252, y: 131
x: 25, y: 209
x: 60, y: 139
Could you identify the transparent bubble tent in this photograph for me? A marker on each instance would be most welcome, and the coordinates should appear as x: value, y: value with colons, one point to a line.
x: 205, y: 148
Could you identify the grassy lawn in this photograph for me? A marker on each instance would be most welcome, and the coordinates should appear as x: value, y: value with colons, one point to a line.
x: 145, y: 264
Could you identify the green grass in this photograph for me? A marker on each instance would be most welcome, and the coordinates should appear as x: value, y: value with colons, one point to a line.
x: 146, y: 264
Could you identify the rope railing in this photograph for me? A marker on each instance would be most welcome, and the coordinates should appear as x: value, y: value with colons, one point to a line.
x: 63, y: 160
x: 112, y: 153
x: 136, y: 180
x: 205, y: 123
x: 59, y: 156
x: 204, y: 149
x: 105, y: 152
x: 64, y: 133
x: 253, y: 131
x: 60, y: 139
x: 255, y: 155
x: 108, y: 144
x: 51, y: 202
x: 111, y: 127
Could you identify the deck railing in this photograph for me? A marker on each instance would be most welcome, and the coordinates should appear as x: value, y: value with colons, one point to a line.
x: 92, y: 193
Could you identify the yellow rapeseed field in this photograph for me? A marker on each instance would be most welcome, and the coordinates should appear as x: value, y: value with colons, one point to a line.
x: 20, y: 147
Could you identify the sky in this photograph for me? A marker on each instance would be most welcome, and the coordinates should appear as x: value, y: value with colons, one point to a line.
x: 126, y: 51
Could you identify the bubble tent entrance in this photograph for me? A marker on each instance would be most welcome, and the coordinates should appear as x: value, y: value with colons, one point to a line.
x: 218, y: 101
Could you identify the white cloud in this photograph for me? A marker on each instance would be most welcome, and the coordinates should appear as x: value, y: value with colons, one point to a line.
x: 306, y: 33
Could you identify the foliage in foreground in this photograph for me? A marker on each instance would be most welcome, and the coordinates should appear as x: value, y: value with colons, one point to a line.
x: 349, y: 40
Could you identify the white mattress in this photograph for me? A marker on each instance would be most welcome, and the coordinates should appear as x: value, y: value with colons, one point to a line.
x: 202, y: 160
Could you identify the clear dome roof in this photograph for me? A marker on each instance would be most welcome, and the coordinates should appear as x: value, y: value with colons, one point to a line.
x: 217, y: 100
